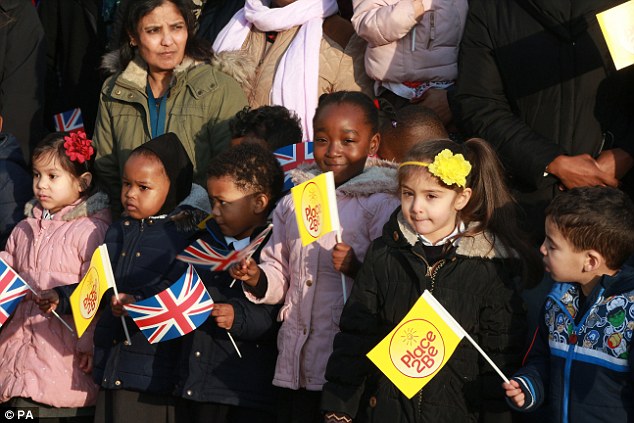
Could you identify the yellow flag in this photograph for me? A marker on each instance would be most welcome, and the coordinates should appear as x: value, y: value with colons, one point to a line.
x: 617, y: 25
x: 85, y: 299
x: 420, y: 345
x: 316, y: 207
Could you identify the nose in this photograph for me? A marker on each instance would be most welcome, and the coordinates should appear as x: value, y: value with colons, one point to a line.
x: 333, y: 149
x: 167, y: 39
x: 215, y: 208
x: 542, y: 248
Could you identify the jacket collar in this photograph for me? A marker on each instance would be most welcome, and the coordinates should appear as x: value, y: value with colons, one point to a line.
x: 379, y: 176
x: 81, y: 208
x: 399, y: 232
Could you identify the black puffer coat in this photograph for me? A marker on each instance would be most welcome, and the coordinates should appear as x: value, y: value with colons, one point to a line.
x: 474, y: 283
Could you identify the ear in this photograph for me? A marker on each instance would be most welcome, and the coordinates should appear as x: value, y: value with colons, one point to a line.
x: 375, y: 141
x: 85, y: 179
x: 133, y: 40
x: 261, y: 203
x: 462, y: 199
x: 593, y: 261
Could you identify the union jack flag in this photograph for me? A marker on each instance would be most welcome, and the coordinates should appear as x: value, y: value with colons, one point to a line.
x: 217, y: 259
x: 175, y: 312
x: 69, y: 121
x: 292, y: 156
x: 12, y: 290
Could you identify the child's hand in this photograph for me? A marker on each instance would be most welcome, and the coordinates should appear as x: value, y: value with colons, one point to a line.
x: 247, y: 271
x: 344, y: 259
x: 117, y: 303
x: 223, y: 313
x: 514, y: 392
x: 85, y: 361
x: 47, y: 300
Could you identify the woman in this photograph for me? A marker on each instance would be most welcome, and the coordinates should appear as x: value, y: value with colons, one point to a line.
x: 163, y: 84
x: 291, y: 52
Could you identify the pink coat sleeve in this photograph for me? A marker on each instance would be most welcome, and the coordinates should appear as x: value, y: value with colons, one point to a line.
x: 382, y: 22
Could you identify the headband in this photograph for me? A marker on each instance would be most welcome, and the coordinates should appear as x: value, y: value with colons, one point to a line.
x: 450, y: 168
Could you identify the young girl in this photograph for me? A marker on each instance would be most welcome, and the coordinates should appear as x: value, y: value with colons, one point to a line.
x: 42, y: 363
x: 215, y: 383
x: 160, y: 218
x: 455, y: 236
x: 308, y: 279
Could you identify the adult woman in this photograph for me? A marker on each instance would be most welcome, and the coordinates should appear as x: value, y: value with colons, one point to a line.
x: 162, y: 85
x: 301, y: 49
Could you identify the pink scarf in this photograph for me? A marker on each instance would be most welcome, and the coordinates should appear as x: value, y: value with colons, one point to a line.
x: 296, y: 80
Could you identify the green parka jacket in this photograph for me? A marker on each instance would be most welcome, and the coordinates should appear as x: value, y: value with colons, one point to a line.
x: 200, y: 103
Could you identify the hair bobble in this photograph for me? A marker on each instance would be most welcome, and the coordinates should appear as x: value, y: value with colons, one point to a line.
x: 78, y: 147
x: 450, y: 168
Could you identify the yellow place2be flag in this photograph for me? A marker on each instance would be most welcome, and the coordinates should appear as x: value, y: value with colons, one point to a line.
x: 420, y: 345
x: 617, y: 25
x: 84, y: 300
x: 316, y: 207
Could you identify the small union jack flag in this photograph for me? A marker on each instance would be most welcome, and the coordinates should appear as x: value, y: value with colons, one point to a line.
x: 217, y: 259
x: 175, y: 312
x: 12, y: 290
x: 69, y: 121
x: 292, y: 156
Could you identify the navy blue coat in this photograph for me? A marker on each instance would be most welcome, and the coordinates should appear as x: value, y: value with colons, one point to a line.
x: 143, y: 256
x: 210, y: 369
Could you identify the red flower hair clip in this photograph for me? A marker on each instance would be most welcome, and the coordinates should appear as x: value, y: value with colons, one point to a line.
x: 78, y: 147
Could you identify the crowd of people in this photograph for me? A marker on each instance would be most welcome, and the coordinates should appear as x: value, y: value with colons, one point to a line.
x: 481, y: 151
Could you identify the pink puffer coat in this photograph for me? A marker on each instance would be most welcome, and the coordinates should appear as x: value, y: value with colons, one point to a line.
x: 37, y: 353
x: 305, y: 279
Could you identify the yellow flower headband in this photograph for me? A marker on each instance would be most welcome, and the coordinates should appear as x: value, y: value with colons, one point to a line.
x: 450, y: 168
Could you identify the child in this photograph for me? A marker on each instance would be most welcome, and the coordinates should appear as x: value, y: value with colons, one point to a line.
x: 405, y: 128
x: 455, y: 236
x: 308, y: 279
x: 160, y: 218
x: 217, y: 385
x: 42, y: 363
x: 274, y: 126
x: 412, y: 51
x: 581, y: 358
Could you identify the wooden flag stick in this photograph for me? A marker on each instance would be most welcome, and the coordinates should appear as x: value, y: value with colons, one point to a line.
x: 343, y: 277
x: 125, y: 327
x: 234, y: 344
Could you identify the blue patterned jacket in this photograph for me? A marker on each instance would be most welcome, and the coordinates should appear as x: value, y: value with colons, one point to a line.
x: 580, y: 363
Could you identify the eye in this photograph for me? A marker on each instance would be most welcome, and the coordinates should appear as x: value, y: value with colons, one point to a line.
x: 320, y: 140
x: 144, y: 187
x: 36, y: 175
x: 348, y: 141
x: 52, y: 176
x: 407, y: 193
x: 179, y: 26
x: 125, y: 184
x: 431, y: 196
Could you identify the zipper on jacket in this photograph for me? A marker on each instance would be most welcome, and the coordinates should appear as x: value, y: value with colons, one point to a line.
x: 432, y: 28
x: 131, y: 247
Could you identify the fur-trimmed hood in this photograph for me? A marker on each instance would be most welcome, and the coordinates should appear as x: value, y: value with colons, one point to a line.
x: 92, y: 205
x: 136, y: 71
x: 480, y: 245
x: 379, y: 176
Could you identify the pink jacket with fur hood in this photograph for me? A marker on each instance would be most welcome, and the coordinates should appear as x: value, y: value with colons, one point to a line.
x: 37, y: 353
x: 304, y: 279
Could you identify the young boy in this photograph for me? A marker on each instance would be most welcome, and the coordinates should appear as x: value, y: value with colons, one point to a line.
x: 580, y: 358
x: 215, y: 384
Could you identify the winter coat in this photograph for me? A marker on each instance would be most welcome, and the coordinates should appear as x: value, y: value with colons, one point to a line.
x: 15, y: 185
x: 211, y: 370
x: 215, y: 15
x: 401, y: 49
x: 473, y: 281
x: 22, y: 73
x: 340, y: 61
x: 75, y: 43
x: 536, y: 81
x: 304, y: 278
x: 37, y: 352
x: 143, y: 257
x: 200, y: 103
x: 581, y: 360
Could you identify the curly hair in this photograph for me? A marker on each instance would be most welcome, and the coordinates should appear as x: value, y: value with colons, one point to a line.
x: 252, y: 167
x: 276, y: 125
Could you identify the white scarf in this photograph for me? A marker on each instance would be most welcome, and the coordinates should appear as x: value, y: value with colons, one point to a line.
x: 296, y: 80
